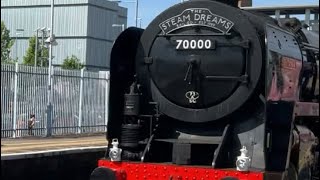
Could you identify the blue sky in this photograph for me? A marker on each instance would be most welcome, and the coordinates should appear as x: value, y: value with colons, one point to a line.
x: 149, y: 9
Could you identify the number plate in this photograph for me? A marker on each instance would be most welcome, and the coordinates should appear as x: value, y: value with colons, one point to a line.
x: 200, y: 44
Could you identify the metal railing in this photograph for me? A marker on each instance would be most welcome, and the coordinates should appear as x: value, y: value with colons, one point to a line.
x: 80, y: 101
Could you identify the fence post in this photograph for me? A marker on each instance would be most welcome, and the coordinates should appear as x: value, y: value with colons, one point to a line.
x: 15, y: 101
x: 106, y: 106
x: 80, y: 102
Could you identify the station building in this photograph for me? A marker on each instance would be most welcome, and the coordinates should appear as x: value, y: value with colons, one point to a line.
x: 307, y: 14
x: 82, y: 28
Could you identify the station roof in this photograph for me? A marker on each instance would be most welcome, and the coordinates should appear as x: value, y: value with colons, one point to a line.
x: 270, y: 10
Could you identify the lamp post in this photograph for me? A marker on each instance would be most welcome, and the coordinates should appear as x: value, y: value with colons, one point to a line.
x: 50, y: 41
x: 43, y: 30
x: 37, y: 42
x: 136, y: 9
x: 140, y: 22
x: 137, y: 12
x: 18, y: 32
x: 35, y: 62
x: 34, y: 69
x: 36, y: 48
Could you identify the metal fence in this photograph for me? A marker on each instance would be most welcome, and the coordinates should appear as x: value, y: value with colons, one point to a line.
x: 79, y: 99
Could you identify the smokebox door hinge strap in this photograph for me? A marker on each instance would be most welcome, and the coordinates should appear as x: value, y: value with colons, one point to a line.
x: 148, y: 60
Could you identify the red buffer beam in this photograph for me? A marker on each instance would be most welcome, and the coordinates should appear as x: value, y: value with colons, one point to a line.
x: 145, y: 171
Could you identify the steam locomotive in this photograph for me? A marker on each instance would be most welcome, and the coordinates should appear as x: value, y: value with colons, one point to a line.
x: 210, y: 91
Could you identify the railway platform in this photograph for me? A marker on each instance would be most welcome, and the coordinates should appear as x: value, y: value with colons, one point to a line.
x: 36, y: 147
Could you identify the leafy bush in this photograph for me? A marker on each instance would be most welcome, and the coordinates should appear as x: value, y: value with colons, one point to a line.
x: 6, y: 44
x: 28, y: 59
x: 72, y: 63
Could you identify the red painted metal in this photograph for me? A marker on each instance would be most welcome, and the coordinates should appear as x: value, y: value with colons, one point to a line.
x: 148, y: 171
x: 306, y: 109
x: 286, y: 87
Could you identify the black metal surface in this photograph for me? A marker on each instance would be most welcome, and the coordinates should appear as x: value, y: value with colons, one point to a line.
x: 208, y: 140
x: 189, y: 68
x: 309, y: 44
x: 278, y: 132
x: 121, y: 77
x: 130, y: 135
x: 282, y: 42
x: 169, y: 75
x: 229, y: 178
x: 273, y: 176
x: 229, y: 2
x: 146, y: 149
x: 131, y: 107
x: 248, y: 130
x: 181, y: 154
x: 243, y: 78
x: 132, y: 101
x: 197, y: 92
x: 102, y: 173
x: 217, y: 156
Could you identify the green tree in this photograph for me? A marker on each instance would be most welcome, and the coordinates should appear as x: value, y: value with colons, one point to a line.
x: 72, y: 63
x: 42, y: 55
x: 6, y: 44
